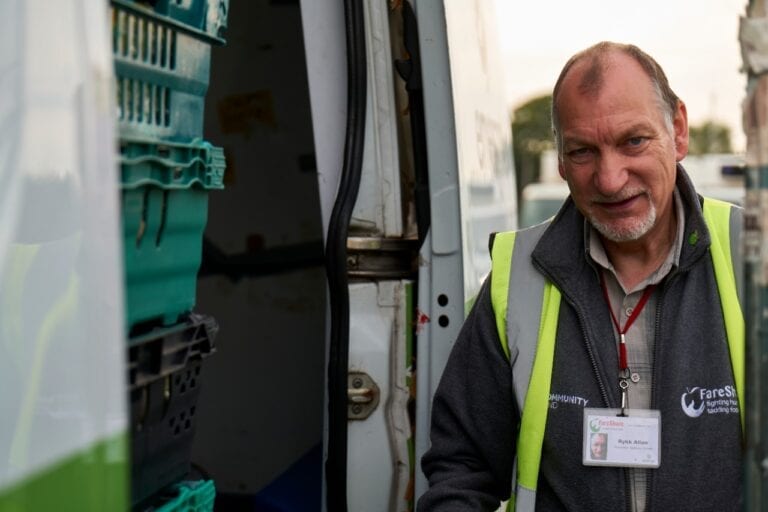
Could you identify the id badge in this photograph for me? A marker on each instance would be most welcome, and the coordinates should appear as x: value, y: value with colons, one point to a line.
x: 632, y: 441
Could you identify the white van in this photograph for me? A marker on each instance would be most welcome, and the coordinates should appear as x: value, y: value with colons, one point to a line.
x: 373, y: 142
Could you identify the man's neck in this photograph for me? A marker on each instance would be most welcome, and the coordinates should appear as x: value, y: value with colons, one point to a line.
x: 634, y: 261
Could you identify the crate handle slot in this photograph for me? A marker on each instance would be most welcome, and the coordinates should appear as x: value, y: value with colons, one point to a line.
x: 163, y: 216
x: 143, y: 224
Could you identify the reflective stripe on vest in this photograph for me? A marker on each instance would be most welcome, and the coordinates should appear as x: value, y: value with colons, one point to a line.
x: 532, y: 361
x: 717, y: 215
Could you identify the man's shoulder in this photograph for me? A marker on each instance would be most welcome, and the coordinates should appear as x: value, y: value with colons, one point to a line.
x: 529, y: 234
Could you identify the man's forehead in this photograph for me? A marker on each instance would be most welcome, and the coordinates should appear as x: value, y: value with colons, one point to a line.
x: 590, y: 74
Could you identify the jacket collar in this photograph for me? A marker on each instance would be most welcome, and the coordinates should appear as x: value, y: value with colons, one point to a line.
x: 561, y: 256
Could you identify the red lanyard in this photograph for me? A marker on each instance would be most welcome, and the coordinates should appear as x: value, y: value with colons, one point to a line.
x: 623, y: 367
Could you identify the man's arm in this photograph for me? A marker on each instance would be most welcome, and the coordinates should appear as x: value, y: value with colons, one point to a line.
x: 474, y: 421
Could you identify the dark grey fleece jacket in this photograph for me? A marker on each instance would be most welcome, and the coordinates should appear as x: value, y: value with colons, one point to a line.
x: 475, y: 419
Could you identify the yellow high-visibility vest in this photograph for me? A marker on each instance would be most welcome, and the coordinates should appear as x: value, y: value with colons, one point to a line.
x: 533, y: 349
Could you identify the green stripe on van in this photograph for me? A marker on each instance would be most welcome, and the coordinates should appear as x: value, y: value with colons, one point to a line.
x: 95, y: 479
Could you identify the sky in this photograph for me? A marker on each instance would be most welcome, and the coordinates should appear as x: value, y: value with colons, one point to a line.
x: 695, y: 41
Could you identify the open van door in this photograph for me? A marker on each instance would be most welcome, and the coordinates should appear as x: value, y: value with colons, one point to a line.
x: 427, y: 175
x: 63, y: 439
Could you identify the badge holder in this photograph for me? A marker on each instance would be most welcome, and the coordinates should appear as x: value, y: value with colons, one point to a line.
x: 622, y: 438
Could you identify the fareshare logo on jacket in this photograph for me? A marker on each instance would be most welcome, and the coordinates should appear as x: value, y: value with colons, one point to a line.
x: 695, y: 401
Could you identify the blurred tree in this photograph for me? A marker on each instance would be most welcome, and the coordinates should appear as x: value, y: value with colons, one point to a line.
x: 531, y: 135
x: 709, y: 137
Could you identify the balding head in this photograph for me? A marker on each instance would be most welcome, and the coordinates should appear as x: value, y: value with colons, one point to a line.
x: 593, y: 63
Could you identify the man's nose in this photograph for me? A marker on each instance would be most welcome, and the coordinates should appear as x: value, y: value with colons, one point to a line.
x: 611, y: 173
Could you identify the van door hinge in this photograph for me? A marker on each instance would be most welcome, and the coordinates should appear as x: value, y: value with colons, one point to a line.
x: 362, y: 395
x: 382, y: 258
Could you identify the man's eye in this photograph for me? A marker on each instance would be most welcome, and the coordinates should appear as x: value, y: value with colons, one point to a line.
x: 580, y: 154
x: 635, y: 141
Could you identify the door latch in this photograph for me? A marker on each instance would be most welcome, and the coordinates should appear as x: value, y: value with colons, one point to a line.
x: 362, y: 395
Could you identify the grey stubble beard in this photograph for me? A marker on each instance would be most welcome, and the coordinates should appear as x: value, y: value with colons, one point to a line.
x: 627, y: 234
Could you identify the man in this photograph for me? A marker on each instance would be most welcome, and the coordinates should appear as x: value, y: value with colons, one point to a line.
x: 618, y: 316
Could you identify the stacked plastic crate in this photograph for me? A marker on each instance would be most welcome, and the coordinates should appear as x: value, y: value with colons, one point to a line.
x: 162, y: 54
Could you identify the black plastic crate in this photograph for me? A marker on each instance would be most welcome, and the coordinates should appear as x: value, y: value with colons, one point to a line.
x: 165, y: 372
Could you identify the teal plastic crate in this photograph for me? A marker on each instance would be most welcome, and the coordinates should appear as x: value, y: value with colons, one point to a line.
x: 198, y: 496
x: 164, y: 211
x: 162, y: 65
x: 203, y: 19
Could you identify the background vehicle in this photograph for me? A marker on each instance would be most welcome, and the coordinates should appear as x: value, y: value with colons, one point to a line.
x: 541, y: 201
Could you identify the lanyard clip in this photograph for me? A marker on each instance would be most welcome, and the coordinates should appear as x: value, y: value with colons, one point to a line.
x: 623, y: 384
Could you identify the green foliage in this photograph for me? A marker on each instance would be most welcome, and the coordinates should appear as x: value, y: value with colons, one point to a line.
x: 709, y: 137
x: 531, y: 135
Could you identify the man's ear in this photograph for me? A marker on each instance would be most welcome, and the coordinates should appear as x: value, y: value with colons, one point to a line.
x: 560, y: 167
x: 680, y: 126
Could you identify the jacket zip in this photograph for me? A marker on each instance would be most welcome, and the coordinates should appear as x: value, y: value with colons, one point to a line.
x: 600, y: 384
x: 603, y: 392
x: 627, y: 483
x: 592, y: 359
x: 656, y: 338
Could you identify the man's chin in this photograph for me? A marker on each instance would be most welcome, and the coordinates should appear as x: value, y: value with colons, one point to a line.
x: 623, y: 231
